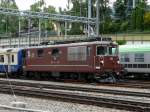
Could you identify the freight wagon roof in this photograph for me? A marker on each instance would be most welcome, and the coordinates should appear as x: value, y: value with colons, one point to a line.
x: 134, y: 48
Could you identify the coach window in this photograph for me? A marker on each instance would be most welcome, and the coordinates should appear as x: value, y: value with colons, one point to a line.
x: 125, y: 65
x: 139, y: 57
x: 2, y: 58
x: 125, y: 58
x: 55, y: 52
x: 12, y: 58
x: 129, y: 65
x: 23, y: 53
x: 144, y: 65
x: 40, y: 52
x: 134, y: 65
x: 101, y: 50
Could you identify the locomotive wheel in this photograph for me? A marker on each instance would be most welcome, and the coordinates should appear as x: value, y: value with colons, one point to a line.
x: 74, y: 76
x: 90, y: 78
x: 106, y: 78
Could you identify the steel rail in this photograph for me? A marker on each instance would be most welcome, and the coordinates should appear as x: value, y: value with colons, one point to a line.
x: 76, y: 88
x: 80, y: 98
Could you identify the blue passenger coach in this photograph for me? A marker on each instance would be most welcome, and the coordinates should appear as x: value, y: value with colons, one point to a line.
x: 11, y: 60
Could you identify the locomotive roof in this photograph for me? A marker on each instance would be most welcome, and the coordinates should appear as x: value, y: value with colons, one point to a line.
x: 73, y: 40
x: 134, y: 48
x: 75, y: 44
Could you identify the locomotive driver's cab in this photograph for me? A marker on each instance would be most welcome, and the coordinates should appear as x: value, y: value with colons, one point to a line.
x: 107, y: 57
x: 106, y: 50
x: 107, y: 60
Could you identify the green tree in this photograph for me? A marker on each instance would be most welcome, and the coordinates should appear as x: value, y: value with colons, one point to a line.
x: 50, y: 26
x: 40, y: 7
x: 121, y: 42
x: 9, y: 24
x: 120, y: 9
x: 80, y: 8
x: 137, y: 18
x: 147, y: 20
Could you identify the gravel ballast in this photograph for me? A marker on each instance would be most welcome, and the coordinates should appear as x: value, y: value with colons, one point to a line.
x: 50, y: 105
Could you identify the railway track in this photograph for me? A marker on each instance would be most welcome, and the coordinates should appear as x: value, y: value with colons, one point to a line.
x: 84, y: 95
x: 75, y: 88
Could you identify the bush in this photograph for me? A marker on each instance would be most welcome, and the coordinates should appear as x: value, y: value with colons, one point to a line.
x: 121, y: 42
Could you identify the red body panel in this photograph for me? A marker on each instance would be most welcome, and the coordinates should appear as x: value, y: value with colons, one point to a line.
x: 48, y: 63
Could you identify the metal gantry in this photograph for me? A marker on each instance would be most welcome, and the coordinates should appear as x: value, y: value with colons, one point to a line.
x: 43, y: 15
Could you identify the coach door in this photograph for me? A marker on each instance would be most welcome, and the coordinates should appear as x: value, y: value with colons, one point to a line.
x: 9, y: 61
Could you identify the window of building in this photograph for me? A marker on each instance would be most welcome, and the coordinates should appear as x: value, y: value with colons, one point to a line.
x: 40, y: 52
x: 125, y: 58
x: 139, y: 57
x: 2, y: 58
x: 148, y: 65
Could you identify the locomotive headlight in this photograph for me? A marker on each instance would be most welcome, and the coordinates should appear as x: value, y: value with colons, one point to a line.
x: 118, y: 61
x: 118, y: 73
x: 102, y: 62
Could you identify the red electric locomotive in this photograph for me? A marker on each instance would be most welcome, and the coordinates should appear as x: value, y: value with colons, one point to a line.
x: 89, y: 59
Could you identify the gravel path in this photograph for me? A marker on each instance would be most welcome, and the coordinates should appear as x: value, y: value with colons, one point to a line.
x: 51, y: 106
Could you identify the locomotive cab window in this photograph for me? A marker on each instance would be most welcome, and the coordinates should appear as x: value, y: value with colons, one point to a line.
x: 101, y: 50
x: 113, y: 50
x: 40, y: 52
x: 55, y: 52
x: 110, y: 50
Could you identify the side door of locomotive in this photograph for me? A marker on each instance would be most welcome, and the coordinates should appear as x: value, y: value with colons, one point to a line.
x: 100, y: 52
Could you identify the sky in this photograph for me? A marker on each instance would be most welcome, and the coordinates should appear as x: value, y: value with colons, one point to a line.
x: 25, y: 4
